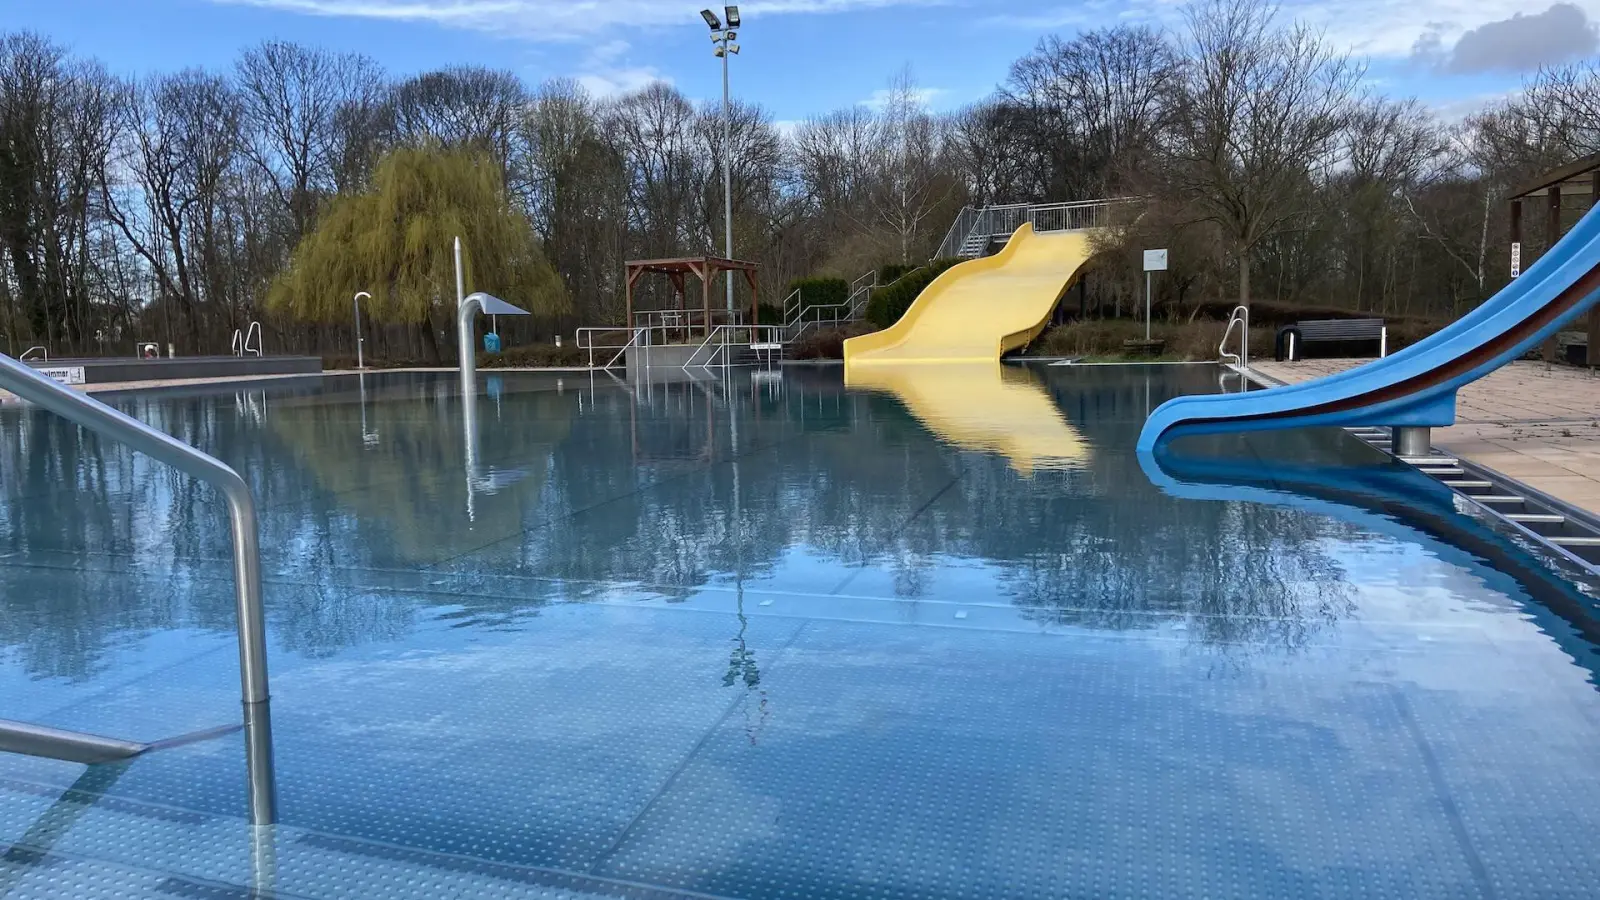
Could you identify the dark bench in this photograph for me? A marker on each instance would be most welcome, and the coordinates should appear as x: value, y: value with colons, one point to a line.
x: 1332, y: 337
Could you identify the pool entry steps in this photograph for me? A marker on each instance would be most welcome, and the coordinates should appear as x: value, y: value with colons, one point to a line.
x: 89, y: 413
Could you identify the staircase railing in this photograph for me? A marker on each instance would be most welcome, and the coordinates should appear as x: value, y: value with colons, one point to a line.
x: 719, y: 342
x: 36, y: 740
x: 43, y: 354
x: 799, y: 318
x: 991, y: 222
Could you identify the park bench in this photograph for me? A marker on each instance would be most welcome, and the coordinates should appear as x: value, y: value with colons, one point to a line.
x: 1331, y: 337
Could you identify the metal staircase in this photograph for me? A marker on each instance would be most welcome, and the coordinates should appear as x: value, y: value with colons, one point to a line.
x: 976, y: 228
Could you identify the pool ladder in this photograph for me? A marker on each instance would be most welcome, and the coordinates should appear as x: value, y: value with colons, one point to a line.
x: 1240, y: 316
x: 241, y: 346
x: 91, y: 749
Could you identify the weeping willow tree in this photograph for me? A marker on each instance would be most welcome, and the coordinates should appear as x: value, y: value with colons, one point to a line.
x: 395, y: 241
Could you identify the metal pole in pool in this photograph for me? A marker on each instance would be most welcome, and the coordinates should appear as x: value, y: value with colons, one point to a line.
x: 360, y: 362
x: 469, y: 365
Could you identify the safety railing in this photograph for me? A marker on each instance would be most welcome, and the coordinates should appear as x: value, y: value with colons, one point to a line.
x: 42, y: 354
x: 716, y: 349
x: 1241, y: 317
x: 608, y: 346
x: 974, y: 228
x: 799, y: 317
x: 35, y: 740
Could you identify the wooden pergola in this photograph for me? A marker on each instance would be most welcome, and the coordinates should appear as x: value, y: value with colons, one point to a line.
x: 705, y: 268
x: 1578, y: 177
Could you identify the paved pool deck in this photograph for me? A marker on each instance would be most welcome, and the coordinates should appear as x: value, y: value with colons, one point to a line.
x: 1533, y: 421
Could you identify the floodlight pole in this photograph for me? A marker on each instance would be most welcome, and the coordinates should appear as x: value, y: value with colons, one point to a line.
x: 727, y: 172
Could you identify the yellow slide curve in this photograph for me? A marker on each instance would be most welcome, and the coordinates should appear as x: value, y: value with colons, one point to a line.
x: 979, y: 309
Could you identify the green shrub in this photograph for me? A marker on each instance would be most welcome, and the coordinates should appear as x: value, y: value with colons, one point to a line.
x: 767, y: 314
x: 816, y: 292
x: 827, y: 343
x: 534, y: 356
x: 892, y: 272
x: 890, y: 302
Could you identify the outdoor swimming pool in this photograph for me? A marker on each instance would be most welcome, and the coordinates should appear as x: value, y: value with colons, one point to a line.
x: 769, y: 637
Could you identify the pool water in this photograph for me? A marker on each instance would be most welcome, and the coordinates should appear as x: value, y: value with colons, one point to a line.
x: 768, y: 636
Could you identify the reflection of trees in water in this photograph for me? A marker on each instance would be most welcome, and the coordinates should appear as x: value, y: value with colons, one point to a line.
x: 848, y: 478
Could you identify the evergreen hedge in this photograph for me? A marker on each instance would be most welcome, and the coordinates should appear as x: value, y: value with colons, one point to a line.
x: 820, y: 292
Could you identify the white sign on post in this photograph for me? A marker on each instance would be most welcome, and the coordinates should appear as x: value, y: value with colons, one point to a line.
x: 1155, y: 260
x: 1516, y: 259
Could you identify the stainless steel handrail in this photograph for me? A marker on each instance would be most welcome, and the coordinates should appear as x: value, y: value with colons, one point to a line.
x: 236, y: 343
x: 43, y: 351
x: 90, y: 413
x: 254, y: 329
x: 1240, y: 316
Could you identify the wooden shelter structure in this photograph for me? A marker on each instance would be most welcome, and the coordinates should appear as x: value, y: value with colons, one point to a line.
x: 1579, y: 177
x: 705, y: 268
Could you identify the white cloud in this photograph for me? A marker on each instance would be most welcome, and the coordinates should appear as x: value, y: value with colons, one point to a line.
x: 1380, y: 28
x: 605, y: 72
x: 552, y: 20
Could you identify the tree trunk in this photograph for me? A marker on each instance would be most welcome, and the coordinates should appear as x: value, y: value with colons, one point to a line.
x: 1244, y: 278
x: 430, y: 342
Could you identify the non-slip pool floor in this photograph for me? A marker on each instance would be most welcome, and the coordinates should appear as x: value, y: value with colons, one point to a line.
x: 773, y: 639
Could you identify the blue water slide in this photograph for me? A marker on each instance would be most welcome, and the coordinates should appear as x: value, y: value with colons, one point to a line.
x: 1417, y: 385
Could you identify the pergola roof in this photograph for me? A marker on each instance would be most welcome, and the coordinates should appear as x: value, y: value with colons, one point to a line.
x: 1572, y: 173
x: 705, y: 268
x: 693, y: 265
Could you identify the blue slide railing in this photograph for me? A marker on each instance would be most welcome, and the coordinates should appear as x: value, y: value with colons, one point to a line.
x: 1417, y: 385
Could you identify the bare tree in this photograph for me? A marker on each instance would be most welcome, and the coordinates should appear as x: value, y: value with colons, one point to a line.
x: 1263, y: 110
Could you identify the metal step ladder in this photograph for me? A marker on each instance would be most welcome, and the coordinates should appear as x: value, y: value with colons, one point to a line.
x: 1572, y: 533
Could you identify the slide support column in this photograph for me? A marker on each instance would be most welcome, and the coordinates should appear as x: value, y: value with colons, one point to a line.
x: 1412, y: 440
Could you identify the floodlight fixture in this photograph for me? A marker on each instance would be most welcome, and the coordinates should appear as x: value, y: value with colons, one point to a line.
x: 711, y: 19
x: 733, y: 16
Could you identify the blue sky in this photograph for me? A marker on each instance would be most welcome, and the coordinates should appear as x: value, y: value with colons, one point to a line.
x: 800, y: 57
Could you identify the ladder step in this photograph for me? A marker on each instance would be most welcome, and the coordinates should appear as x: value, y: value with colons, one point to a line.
x: 1500, y: 498
x: 1429, y: 460
x: 1576, y: 541
x: 1536, y: 518
x: 1468, y: 483
x: 1440, y: 473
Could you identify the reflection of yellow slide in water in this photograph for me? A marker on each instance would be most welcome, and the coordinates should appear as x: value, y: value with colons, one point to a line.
x: 981, y: 308
x: 982, y: 406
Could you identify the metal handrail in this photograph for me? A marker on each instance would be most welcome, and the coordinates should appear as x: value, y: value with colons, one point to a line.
x: 90, y: 413
x: 43, y: 351
x: 236, y: 343
x: 1240, y: 316
x: 759, y: 334
x: 1003, y: 220
x: 254, y: 329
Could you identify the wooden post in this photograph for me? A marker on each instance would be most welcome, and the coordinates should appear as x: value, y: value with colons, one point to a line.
x: 705, y: 293
x: 1593, y: 352
x: 1552, y: 347
x: 755, y: 301
x: 631, y: 277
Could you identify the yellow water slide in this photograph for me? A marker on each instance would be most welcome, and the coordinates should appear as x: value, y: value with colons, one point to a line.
x: 979, y: 309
